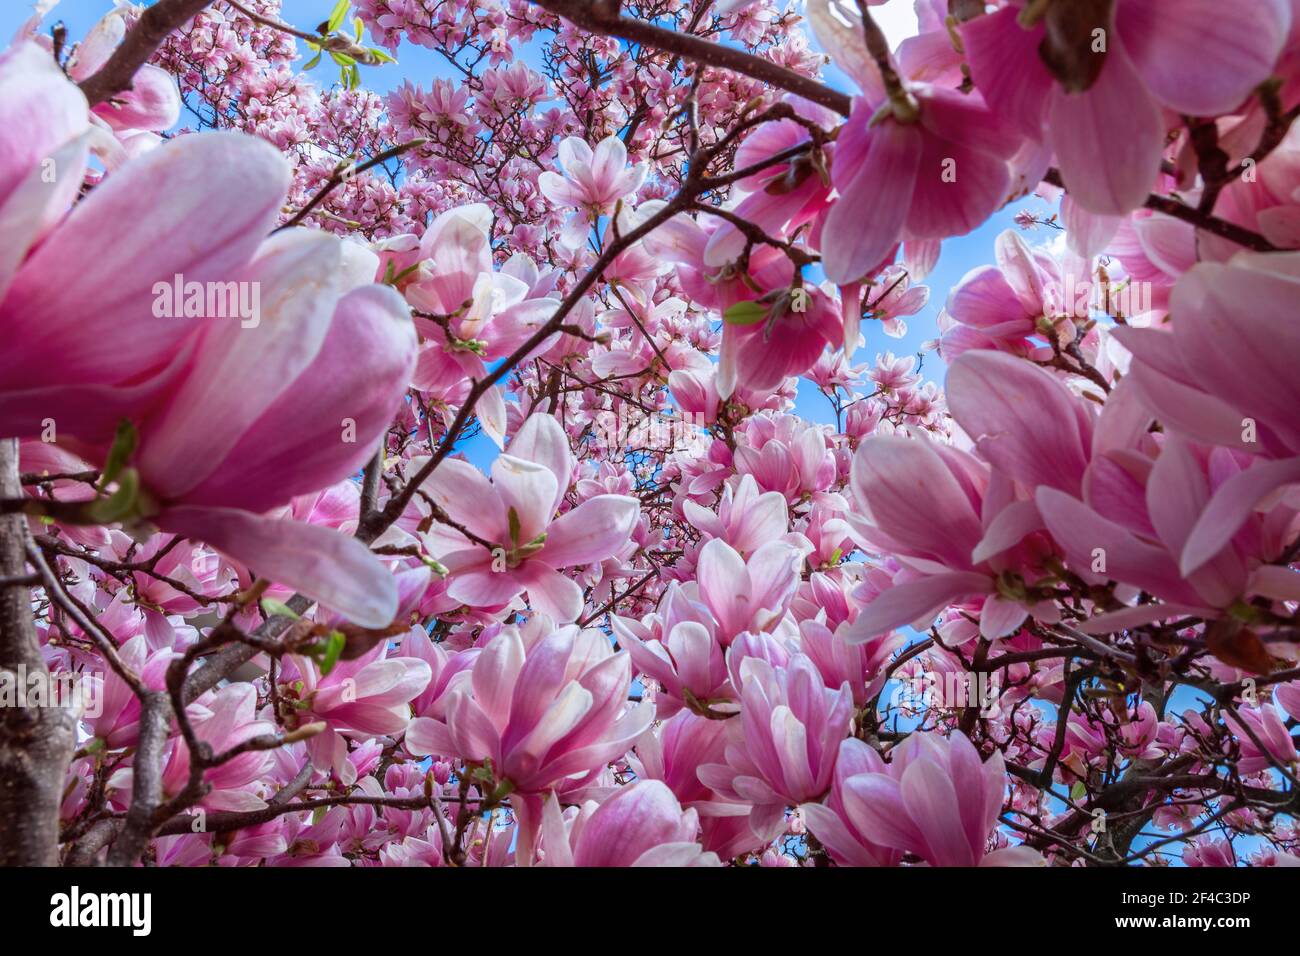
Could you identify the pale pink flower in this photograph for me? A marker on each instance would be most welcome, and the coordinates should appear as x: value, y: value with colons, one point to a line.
x: 747, y: 595
x: 781, y: 751
x: 944, y: 154
x: 366, y: 697
x: 673, y: 752
x: 1181, y: 56
x: 834, y: 822
x: 1263, y: 738
x: 518, y: 544
x: 1228, y: 318
x: 642, y: 824
x: 593, y: 180
x: 934, y: 799
x: 547, y: 715
x: 224, y: 719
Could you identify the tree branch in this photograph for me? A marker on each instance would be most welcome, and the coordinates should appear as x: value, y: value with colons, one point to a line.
x: 603, y: 17
x: 139, y: 44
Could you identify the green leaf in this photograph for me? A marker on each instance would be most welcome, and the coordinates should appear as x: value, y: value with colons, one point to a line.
x: 334, y: 645
x: 337, y: 15
x: 358, y: 26
x: 120, y: 504
x: 1078, y: 791
x: 745, y: 313
x: 275, y: 608
x: 125, y: 441
x: 310, y: 64
x: 392, y: 278
x: 342, y: 59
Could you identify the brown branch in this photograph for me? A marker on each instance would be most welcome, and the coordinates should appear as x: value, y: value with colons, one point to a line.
x: 154, y: 25
x: 146, y: 780
x: 603, y: 17
x: 1190, y: 214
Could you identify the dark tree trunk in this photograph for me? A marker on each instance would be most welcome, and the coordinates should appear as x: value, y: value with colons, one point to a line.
x: 36, y: 743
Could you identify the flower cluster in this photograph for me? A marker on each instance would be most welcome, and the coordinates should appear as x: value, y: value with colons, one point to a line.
x: 450, y: 496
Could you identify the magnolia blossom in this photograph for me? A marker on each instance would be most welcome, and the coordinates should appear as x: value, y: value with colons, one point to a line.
x: 782, y: 749
x: 593, y: 181
x: 505, y: 538
x: 945, y: 155
x: 1105, y: 119
x: 641, y: 825
x: 541, y: 715
x: 366, y: 697
x: 351, y: 404
x: 934, y: 799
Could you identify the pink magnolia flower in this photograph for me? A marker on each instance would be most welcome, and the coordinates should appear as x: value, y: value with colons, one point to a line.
x: 748, y: 595
x: 780, y: 198
x: 786, y: 454
x: 1023, y: 419
x: 104, y: 257
x: 1208, y: 851
x: 224, y: 719
x: 214, y: 456
x: 642, y: 824
x: 932, y: 509
x: 773, y: 331
x: 1263, y: 738
x: 745, y: 519
x: 1133, y: 731
x: 673, y: 752
x: 944, y: 154
x: 150, y: 105
x: 118, y: 720
x: 211, y: 400
x: 934, y: 799
x: 488, y: 313
x: 545, y: 715
x: 840, y: 661
x: 416, y: 851
x: 834, y: 823
x: 1028, y: 295
x: 1288, y: 695
x: 889, y: 298
x: 366, y: 697
x: 688, y: 664
x: 447, y: 670
x: 1227, y: 318
x: 506, y: 538
x: 593, y: 181
x: 782, y: 749
x: 1108, y: 132
x: 1139, y: 515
